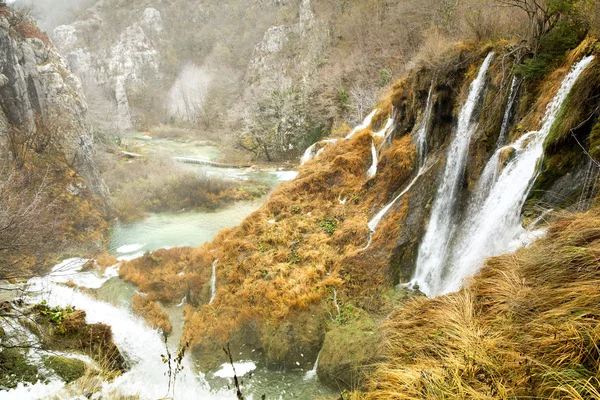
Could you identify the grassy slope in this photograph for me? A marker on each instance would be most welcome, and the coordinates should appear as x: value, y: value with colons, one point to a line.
x: 526, y: 327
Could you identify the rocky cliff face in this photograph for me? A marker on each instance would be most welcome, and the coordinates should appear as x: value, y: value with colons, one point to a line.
x: 41, y: 101
x: 127, y: 62
x: 137, y: 55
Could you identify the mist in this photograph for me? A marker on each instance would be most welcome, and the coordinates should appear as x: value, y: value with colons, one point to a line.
x: 51, y: 13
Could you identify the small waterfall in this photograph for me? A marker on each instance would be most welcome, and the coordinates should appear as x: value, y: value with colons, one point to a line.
x: 335, y: 302
x: 373, y: 169
x: 387, y: 129
x: 213, y: 281
x: 309, y: 153
x: 379, y: 216
x: 421, y: 136
x: 433, y: 248
x: 496, y: 226
x: 313, y: 372
x: 364, y: 125
x: 512, y: 97
x: 140, y: 345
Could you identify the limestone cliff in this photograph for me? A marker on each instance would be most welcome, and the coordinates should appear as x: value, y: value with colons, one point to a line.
x: 41, y: 101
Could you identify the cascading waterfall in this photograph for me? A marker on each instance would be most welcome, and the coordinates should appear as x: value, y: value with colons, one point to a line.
x: 213, y: 281
x: 421, y: 136
x: 373, y: 169
x: 310, y: 153
x: 364, y: 125
x: 141, y: 346
x: 374, y: 222
x: 433, y: 248
x: 496, y: 226
x: 387, y: 129
x: 313, y: 372
x: 512, y: 97
x: 492, y: 168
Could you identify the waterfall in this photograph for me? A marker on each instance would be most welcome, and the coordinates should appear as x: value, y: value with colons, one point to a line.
x: 495, y: 227
x: 433, y: 248
x: 373, y: 169
x: 387, y: 129
x: 310, y: 153
x: 213, y: 281
x: 421, y: 136
x: 492, y: 168
x: 512, y: 97
x: 140, y: 345
x: 335, y: 302
x: 313, y: 372
x: 364, y: 125
x: 379, y: 216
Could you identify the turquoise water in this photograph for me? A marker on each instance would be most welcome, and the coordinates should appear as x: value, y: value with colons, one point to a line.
x: 168, y: 230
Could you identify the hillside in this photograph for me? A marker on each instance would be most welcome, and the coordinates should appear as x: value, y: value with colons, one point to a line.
x: 421, y: 220
x: 301, y: 277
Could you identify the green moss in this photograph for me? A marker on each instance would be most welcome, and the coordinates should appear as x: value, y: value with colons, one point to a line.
x: 348, y: 349
x: 595, y: 141
x: 14, y: 368
x: 329, y: 225
x: 68, y: 369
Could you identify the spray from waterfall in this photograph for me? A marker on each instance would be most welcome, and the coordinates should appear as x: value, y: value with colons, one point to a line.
x: 495, y: 227
x: 433, y: 248
x: 213, y: 281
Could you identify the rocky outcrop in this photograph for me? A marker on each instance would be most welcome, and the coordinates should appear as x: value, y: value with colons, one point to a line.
x: 41, y: 101
x: 125, y: 64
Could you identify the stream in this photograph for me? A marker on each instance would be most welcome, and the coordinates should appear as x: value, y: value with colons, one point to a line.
x: 111, y: 303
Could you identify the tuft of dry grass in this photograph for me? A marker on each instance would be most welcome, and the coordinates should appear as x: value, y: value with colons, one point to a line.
x: 152, y: 313
x: 525, y: 327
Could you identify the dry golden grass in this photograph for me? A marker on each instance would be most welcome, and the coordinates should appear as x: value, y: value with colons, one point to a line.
x: 268, y: 271
x: 152, y: 313
x: 526, y: 327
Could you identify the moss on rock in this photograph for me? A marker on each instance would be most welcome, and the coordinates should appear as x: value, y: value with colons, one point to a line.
x: 348, y: 351
x: 68, y: 369
x: 14, y: 369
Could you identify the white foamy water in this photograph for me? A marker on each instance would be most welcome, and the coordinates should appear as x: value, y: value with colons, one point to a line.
x: 140, y: 345
x: 433, y: 248
x: 130, y: 248
x: 213, y: 281
x: 364, y: 125
x: 373, y: 169
x: 421, y: 135
x: 241, y: 369
x: 495, y: 227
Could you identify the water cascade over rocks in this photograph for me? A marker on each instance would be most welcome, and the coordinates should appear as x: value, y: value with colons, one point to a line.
x: 140, y: 345
x: 421, y: 136
x: 433, y: 248
x: 493, y: 226
x: 364, y: 125
x: 373, y: 169
x: 213, y: 281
